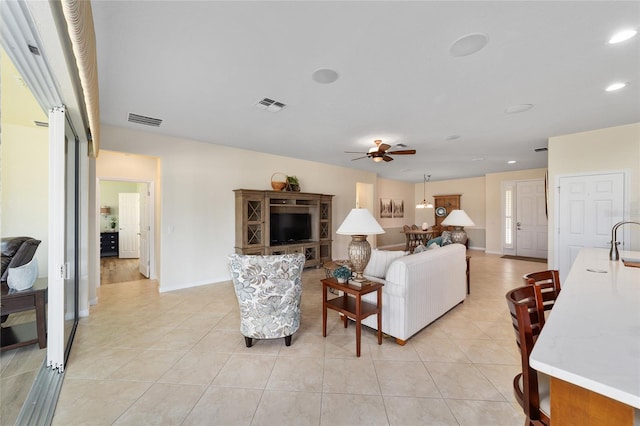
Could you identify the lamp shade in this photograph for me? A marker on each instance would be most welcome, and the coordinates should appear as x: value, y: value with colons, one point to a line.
x: 105, y: 210
x: 360, y: 222
x: 457, y: 218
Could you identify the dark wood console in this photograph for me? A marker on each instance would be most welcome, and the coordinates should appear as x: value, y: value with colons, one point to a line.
x: 109, y: 244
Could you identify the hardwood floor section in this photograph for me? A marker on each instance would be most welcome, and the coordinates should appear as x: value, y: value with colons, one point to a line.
x: 114, y: 270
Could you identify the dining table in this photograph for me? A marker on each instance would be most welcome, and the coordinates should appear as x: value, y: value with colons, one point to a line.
x: 416, y: 237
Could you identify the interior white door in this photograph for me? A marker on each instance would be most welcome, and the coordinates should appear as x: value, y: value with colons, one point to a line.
x: 531, y: 219
x: 144, y: 231
x: 129, y: 229
x: 588, y: 207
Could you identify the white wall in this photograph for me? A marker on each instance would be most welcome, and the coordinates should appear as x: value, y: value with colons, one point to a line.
x: 196, y: 214
x: 24, y: 174
x: 110, y: 197
x: 610, y: 149
x: 472, y: 201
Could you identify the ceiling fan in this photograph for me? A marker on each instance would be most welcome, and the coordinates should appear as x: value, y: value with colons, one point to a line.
x: 381, y: 152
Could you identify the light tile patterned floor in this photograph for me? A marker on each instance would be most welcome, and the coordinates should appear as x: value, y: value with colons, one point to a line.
x: 178, y: 358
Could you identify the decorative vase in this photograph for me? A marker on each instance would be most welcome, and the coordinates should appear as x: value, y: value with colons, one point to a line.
x: 342, y: 280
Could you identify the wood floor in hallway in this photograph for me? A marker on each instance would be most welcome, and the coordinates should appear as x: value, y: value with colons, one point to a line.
x: 115, y: 270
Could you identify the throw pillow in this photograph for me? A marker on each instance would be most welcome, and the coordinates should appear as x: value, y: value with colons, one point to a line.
x: 437, y: 240
x: 433, y: 246
x: 419, y: 249
x: 380, y: 261
x: 446, y: 238
x: 23, y: 277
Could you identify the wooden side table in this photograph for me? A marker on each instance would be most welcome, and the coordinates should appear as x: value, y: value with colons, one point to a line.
x: 13, y: 302
x: 352, y: 307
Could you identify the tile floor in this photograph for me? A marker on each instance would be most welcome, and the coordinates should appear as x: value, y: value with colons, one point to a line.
x: 178, y: 358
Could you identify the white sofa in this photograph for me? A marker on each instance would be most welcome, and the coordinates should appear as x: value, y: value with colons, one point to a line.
x: 418, y: 289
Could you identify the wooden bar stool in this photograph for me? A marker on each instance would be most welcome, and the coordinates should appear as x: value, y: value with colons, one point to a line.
x: 549, y: 284
x: 531, y: 388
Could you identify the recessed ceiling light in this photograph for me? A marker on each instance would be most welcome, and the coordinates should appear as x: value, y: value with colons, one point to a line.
x: 615, y: 86
x: 621, y: 36
x: 468, y: 44
x: 324, y: 76
x: 452, y: 137
x: 514, y: 109
x: 511, y: 162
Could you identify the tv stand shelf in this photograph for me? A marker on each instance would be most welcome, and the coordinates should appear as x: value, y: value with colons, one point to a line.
x: 253, y: 223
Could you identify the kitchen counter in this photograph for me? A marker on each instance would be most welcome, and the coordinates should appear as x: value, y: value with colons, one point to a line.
x: 592, y: 336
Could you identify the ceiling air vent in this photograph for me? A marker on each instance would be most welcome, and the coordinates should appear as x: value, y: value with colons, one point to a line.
x: 270, y: 105
x: 543, y: 149
x: 41, y: 124
x: 145, y: 121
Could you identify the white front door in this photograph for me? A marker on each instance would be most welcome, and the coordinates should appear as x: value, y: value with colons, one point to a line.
x: 144, y: 232
x: 531, y: 219
x: 129, y: 227
x: 588, y: 207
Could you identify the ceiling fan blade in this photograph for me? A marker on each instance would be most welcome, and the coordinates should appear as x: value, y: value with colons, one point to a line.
x: 403, y: 152
x: 359, y: 158
x: 387, y: 158
x: 383, y: 147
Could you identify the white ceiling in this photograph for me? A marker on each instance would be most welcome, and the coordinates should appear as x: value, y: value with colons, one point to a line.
x: 201, y: 66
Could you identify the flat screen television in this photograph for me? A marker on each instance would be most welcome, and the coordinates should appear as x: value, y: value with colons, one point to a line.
x: 290, y: 227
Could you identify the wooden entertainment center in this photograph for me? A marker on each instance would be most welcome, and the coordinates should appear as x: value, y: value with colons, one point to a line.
x: 253, y: 215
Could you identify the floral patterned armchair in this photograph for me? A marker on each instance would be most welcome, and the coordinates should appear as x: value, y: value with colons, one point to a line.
x: 268, y: 289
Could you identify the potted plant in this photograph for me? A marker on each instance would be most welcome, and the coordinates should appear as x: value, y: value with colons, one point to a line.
x: 113, y: 222
x: 342, y: 274
x: 293, y: 184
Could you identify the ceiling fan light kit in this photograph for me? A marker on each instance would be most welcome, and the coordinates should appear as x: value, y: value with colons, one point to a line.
x: 381, y: 152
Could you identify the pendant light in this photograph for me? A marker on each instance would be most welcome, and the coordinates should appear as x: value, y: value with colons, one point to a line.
x: 424, y: 204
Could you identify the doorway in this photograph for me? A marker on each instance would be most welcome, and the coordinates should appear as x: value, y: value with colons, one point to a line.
x: 524, y: 221
x: 124, y: 230
x: 588, y: 207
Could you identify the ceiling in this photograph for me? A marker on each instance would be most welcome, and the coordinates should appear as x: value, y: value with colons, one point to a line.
x: 202, y: 66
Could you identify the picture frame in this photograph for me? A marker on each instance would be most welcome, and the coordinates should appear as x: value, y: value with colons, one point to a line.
x: 397, y: 208
x: 386, y: 208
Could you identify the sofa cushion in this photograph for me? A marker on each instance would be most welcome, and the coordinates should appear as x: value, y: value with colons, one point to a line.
x: 380, y: 261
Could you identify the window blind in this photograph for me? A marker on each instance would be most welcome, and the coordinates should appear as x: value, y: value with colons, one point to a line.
x: 79, y: 18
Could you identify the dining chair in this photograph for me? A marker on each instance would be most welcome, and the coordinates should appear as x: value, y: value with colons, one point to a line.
x: 531, y: 388
x: 549, y: 283
x: 412, y: 241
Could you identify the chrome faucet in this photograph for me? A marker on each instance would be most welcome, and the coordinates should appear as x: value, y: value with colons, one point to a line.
x: 613, y: 253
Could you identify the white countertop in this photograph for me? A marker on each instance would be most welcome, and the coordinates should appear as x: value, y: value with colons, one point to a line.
x: 592, y: 336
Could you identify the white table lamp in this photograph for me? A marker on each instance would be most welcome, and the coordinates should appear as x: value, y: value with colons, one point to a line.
x: 458, y: 219
x: 359, y: 223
